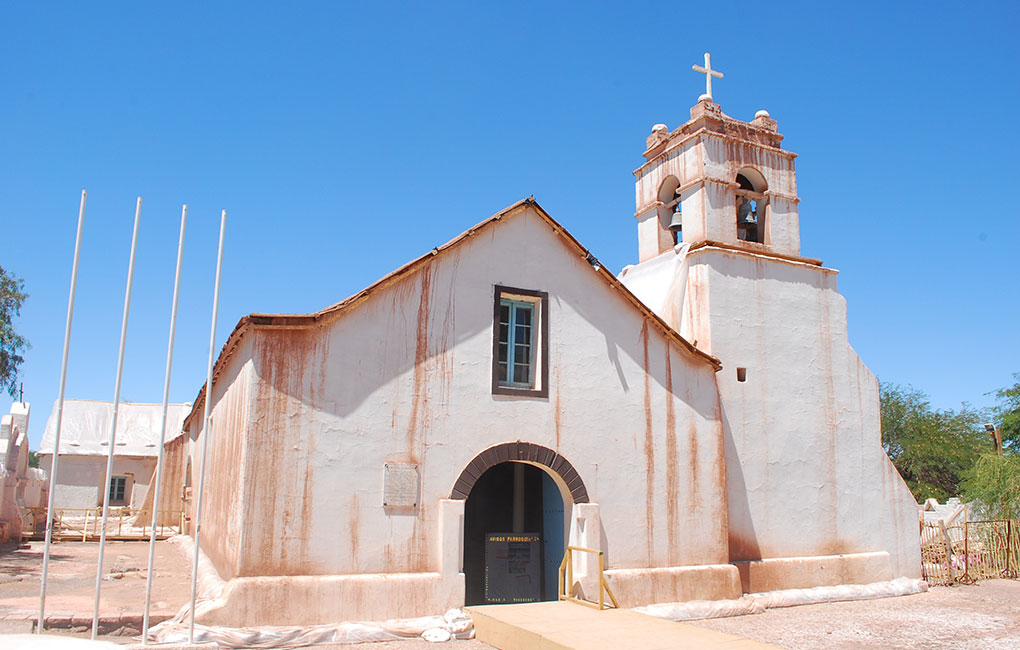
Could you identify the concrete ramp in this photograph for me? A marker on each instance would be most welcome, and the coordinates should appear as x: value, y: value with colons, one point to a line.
x: 569, y: 626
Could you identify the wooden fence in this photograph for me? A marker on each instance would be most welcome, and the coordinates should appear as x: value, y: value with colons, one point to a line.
x: 84, y: 524
x: 970, y: 551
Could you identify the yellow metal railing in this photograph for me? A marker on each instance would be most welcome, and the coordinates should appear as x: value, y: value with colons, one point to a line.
x: 566, y: 579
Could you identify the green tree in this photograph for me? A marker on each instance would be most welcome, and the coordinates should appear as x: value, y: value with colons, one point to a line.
x: 1007, y: 414
x: 994, y: 480
x: 932, y: 449
x: 12, y: 295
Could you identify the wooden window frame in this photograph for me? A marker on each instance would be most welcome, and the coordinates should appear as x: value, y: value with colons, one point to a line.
x: 123, y: 500
x: 540, y: 337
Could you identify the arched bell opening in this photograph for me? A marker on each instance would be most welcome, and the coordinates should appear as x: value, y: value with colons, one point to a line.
x: 751, y: 203
x: 518, y: 499
x: 669, y: 212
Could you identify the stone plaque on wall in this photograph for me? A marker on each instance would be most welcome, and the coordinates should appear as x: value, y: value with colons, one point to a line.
x: 513, y: 567
x: 400, y: 485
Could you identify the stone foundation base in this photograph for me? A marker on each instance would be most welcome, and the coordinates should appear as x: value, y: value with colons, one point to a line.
x: 314, y: 600
x: 815, y: 571
x: 636, y: 587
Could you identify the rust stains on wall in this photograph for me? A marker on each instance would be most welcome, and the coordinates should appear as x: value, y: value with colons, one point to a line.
x: 417, y: 545
x: 267, y: 442
x: 353, y: 529
x: 225, y: 462
x: 743, y: 548
x: 175, y: 462
x: 307, y: 499
x: 431, y: 383
x: 557, y: 405
x: 694, y: 491
x: 447, y: 342
x: 672, y: 469
x: 649, y: 449
x: 418, y: 416
x: 279, y: 496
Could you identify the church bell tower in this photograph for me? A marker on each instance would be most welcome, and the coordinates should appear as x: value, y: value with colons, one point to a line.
x: 715, y: 179
x: 811, y: 496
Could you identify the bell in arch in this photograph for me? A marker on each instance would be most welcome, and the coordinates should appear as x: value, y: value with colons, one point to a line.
x: 676, y: 223
x: 746, y: 216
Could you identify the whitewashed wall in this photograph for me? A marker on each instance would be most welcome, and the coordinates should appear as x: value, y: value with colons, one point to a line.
x: 81, y: 479
x: 806, y: 472
x: 227, y: 469
x: 405, y: 376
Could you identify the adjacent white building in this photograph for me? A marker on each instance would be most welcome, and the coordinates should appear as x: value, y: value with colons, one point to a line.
x: 84, y: 448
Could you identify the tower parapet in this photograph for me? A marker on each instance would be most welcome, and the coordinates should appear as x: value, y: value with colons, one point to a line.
x: 717, y: 179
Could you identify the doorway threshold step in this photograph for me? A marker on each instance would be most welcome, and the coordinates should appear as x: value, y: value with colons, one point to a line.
x: 569, y: 626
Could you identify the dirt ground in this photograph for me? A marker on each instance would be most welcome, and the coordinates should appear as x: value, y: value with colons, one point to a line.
x: 71, y: 582
x: 986, y: 615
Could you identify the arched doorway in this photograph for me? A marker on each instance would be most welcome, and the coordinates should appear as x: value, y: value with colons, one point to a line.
x: 518, y: 498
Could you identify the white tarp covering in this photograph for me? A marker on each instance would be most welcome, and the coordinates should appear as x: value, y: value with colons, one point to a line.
x: 454, y: 624
x: 85, y: 429
x: 693, y: 610
x: 758, y: 603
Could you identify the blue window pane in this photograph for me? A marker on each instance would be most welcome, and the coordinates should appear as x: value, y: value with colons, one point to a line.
x: 521, y: 374
x: 522, y: 354
x: 523, y: 315
x: 515, y: 342
x: 522, y: 335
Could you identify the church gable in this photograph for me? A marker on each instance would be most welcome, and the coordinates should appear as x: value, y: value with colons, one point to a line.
x: 408, y: 373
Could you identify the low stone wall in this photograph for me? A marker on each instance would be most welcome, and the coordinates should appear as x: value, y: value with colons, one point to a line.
x: 815, y: 571
x: 637, y: 587
x: 316, y: 600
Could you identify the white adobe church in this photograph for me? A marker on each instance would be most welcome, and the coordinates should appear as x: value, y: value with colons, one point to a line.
x: 701, y: 419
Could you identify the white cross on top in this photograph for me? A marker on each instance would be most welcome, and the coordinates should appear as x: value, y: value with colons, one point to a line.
x: 709, y: 73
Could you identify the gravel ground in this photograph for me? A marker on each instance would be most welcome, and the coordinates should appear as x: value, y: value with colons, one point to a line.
x: 986, y: 615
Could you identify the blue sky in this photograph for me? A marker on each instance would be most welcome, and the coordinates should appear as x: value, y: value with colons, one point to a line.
x: 345, y: 140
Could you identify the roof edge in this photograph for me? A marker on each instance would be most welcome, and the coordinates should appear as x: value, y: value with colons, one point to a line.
x: 328, y: 314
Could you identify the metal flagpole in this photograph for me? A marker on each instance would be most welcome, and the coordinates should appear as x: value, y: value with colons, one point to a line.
x: 162, y: 430
x: 206, y: 431
x: 113, y: 425
x: 60, y: 414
